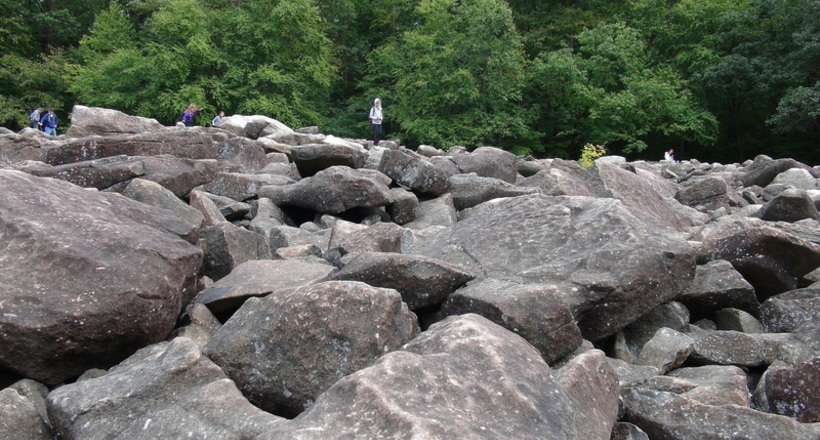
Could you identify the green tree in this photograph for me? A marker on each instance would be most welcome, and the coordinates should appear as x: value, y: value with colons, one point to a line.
x: 455, y: 77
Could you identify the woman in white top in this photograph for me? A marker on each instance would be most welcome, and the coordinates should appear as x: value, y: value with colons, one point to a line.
x: 376, y: 120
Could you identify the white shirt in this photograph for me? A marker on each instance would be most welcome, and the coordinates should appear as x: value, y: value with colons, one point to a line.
x: 376, y: 115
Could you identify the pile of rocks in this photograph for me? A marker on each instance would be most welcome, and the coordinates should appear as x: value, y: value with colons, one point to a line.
x: 259, y: 282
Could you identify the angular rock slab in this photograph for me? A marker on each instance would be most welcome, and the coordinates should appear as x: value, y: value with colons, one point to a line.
x: 464, y: 378
x: 788, y: 311
x: 285, y: 349
x: 536, y: 312
x: 414, y: 172
x: 489, y: 162
x: 664, y: 415
x: 612, y: 266
x: 24, y: 415
x: 88, y: 278
x: 469, y: 190
x: 789, y: 206
x: 590, y: 379
x: 310, y: 159
x: 227, y: 246
x: 260, y: 278
x: 792, y: 391
x: 718, y: 285
x: 333, y: 190
x: 88, y: 121
x: 728, y: 348
x: 771, y: 260
x: 164, y: 391
x: 421, y: 281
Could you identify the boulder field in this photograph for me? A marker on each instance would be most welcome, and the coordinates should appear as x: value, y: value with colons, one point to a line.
x: 257, y: 282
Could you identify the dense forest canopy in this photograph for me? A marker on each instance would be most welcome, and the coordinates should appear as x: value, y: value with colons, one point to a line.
x: 717, y: 80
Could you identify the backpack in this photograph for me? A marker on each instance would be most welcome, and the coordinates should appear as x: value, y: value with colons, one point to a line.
x: 33, y: 118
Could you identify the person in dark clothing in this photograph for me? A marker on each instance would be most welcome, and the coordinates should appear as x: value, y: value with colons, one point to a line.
x: 49, y: 123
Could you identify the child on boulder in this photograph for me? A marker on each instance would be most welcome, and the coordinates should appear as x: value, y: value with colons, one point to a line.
x: 189, y: 114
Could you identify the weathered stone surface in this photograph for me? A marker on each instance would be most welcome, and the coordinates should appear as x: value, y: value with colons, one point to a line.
x: 771, y: 260
x: 672, y: 315
x: 227, y: 246
x: 631, y: 375
x: 799, y: 178
x: 437, y: 212
x: 310, y: 159
x: 536, y: 312
x: 167, y: 390
x: 197, y: 324
x: 707, y: 193
x: 429, y: 151
x: 333, y: 190
x: 254, y: 126
x: 613, y: 266
x: 792, y: 391
x: 154, y: 194
x: 610, y: 180
x: 663, y: 415
x: 802, y: 345
x: 282, y: 361
x: 381, y: 237
x: 88, y: 121
x: 588, y: 378
x: 260, y: 278
x: 403, y: 208
x: 469, y: 190
x: 414, y: 172
x: 283, y: 236
x: 737, y: 320
x: 559, y: 181
x: 667, y: 350
x: 718, y: 285
x: 211, y: 215
x: 433, y: 389
x: 716, y: 384
x: 764, y: 170
x: 789, y: 206
x: 528, y: 166
x: 24, y: 413
x: 489, y: 162
x: 728, y: 348
x: 190, y: 144
x: 104, y: 275
x: 787, y: 311
x: 421, y: 281
x: 241, y: 186
x: 100, y: 173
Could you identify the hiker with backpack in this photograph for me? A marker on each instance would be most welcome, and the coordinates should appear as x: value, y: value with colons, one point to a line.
x: 34, y: 117
x: 49, y: 123
x: 376, y: 121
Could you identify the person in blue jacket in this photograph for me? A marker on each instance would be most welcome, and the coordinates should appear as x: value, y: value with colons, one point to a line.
x: 49, y: 123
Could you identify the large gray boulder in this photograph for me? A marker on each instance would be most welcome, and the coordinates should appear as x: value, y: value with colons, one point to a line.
x: 237, y: 152
x: 89, y: 121
x: 254, y: 126
x: 23, y: 407
x: 718, y: 285
x: 440, y: 211
x: 791, y: 391
x: 536, y: 312
x: 726, y: 347
x: 421, y: 281
x: 414, y: 172
x: 771, y: 260
x: 607, y: 179
x: 562, y: 178
x: 588, y: 378
x: 167, y: 390
x: 788, y: 311
x: 667, y: 350
x: 715, y: 384
x: 705, y: 194
x: 672, y: 315
x: 464, y: 378
x: 226, y: 246
x: 310, y: 159
x: 154, y: 194
x: 663, y: 415
x: 789, y: 206
x: 613, y: 266
x: 242, y: 186
x: 256, y: 278
x: 88, y: 278
x: 469, y: 190
x: 333, y: 190
x: 764, y: 170
x: 489, y: 162
x: 282, y: 360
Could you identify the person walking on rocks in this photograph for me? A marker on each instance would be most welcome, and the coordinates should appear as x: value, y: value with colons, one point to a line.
x: 49, y: 123
x: 217, y: 120
x: 189, y: 114
x: 34, y: 117
x: 376, y: 120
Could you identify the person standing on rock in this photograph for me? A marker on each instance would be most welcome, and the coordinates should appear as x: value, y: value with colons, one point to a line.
x: 34, y: 117
x: 376, y: 120
x: 189, y: 114
x: 669, y: 155
x: 217, y: 120
x: 49, y: 123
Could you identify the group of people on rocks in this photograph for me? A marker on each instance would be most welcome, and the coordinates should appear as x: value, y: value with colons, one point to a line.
x: 43, y: 120
x: 47, y: 121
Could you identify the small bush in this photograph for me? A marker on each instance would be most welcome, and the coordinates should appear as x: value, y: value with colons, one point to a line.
x: 591, y: 152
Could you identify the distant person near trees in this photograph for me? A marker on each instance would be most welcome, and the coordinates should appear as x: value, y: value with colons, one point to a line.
x: 34, y: 117
x: 376, y: 120
x: 217, y: 120
x: 189, y: 114
x: 669, y: 155
x: 49, y: 123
